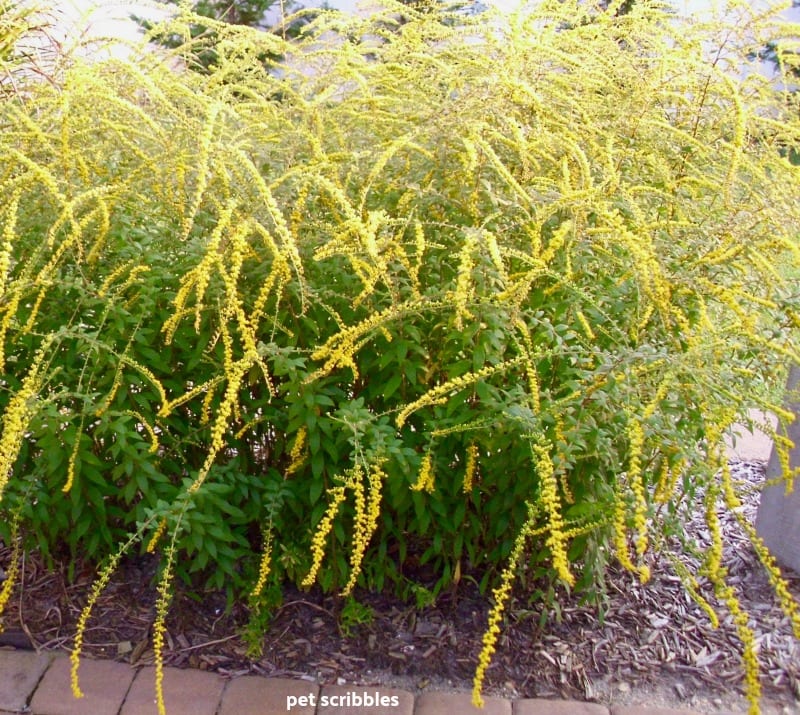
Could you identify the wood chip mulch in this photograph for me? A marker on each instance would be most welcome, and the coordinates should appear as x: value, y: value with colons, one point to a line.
x: 651, y: 635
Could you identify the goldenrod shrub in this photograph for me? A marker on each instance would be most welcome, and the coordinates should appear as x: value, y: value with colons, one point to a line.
x: 461, y: 294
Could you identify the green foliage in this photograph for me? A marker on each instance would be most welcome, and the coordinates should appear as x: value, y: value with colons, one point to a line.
x: 240, y: 12
x: 352, y: 615
x: 428, y: 317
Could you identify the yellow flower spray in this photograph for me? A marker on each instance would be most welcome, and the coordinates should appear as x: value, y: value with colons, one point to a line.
x: 501, y: 595
x: 18, y: 413
x: 324, y: 527
x: 780, y: 586
x: 368, y: 509
x: 7, y: 238
x: 636, y: 486
x: 103, y: 577
x: 296, y: 455
x: 549, y: 500
x: 471, y: 467
x: 264, y: 565
x: 159, y: 625
x: 13, y: 567
x: 425, y: 478
x: 716, y: 573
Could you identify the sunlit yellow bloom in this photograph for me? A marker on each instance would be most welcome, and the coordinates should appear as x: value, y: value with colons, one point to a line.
x: 324, y: 527
x: 18, y: 412
x: 157, y: 534
x: 366, y: 519
x: 425, y: 478
x: 469, y: 470
x: 500, y: 595
x: 263, y: 568
x: 296, y: 455
x: 552, y: 508
x: 13, y: 567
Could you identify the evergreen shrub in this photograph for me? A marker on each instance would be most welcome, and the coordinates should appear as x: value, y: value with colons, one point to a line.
x: 463, y: 295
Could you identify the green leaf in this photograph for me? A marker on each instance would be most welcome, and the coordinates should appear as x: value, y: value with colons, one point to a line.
x: 315, y: 489
x: 392, y: 384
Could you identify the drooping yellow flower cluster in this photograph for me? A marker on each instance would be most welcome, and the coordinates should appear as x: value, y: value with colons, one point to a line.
x: 133, y: 271
x: 80, y: 627
x: 337, y: 496
x: 112, y: 393
x: 19, y: 411
x: 716, y: 573
x: 779, y: 585
x: 13, y: 566
x: 339, y: 349
x: 655, y: 285
x: 263, y: 566
x: 551, y: 504
x: 148, y: 373
x: 226, y: 408
x: 634, y: 483
x: 586, y: 325
x: 668, y: 479
x: 501, y: 595
x: 636, y: 441
x: 72, y: 458
x: 7, y: 238
x: 560, y: 463
x: 692, y: 587
x: 752, y: 684
x: 783, y: 446
x: 425, y: 477
x: 470, y: 468
x: 156, y: 537
x: 438, y: 395
x: 712, y: 566
x: 463, y: 291
x: 296, y: 455
x: 160, y: 624
x: 148, y: 428
x: 366, y: 519
x: 530, y: 368
x: 207, y: 387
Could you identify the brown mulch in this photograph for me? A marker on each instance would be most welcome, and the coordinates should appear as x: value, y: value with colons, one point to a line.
x: 644, y: 636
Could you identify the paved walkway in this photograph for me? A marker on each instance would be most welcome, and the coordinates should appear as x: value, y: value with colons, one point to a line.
x: 751, y: 446
x: 38, y: 684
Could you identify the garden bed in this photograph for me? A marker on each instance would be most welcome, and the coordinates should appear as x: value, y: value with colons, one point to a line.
x: 652, y: 641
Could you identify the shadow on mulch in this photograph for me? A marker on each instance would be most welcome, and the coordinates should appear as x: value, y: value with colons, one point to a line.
x: 306, y: 637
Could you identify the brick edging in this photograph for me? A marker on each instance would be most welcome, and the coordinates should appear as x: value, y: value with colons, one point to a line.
x: 41, y: 682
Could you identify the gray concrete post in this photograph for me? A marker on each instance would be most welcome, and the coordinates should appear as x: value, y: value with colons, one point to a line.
x: 778, y: 519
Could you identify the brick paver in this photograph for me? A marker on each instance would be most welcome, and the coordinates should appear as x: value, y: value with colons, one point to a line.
x: 460, y: 703
x: 117, y: 689
x: 252, y: 695
x: 19, y: 675
x: 186, y: 692
x: 104, y: 684
x: 541, y: 706
x: 352, y: 700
